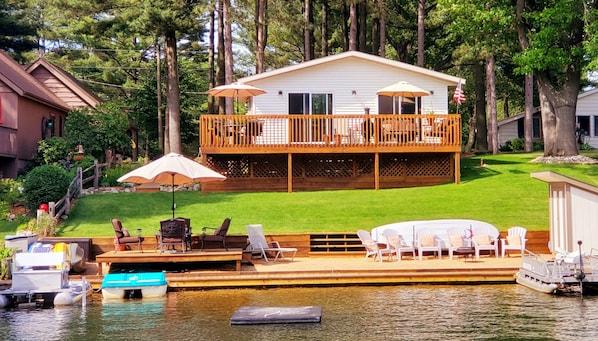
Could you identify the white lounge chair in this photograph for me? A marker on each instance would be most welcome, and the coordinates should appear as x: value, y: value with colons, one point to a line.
x: 257, y: 241
x: 372, y: 247
x: 428, y: 242
x: 397, y: 243
x: 515, y: 240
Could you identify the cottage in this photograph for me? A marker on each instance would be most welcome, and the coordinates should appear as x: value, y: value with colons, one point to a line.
x: 34, y: 103
x: 322, y: 125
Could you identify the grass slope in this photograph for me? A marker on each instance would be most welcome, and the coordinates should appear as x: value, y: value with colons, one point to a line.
x: 500, y: 192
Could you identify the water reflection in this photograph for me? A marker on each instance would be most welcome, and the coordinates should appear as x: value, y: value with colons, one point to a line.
x: 369, y: 313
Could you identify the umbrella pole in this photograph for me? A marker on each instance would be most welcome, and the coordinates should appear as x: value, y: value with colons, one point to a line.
x: 173, y: 204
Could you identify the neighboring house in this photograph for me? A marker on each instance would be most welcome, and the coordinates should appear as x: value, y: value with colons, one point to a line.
x: 586, y: 116
x: 34, y: 103
x: 321, y: 125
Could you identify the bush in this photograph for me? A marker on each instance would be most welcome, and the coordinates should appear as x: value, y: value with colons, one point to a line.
x: 110, y: 176
x: 52, y: 150
x: 45, y: 184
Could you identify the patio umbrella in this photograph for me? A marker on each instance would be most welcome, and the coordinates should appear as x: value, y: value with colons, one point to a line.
x: 172, y: 169
x: 403, y: 89
x: 235, y: 90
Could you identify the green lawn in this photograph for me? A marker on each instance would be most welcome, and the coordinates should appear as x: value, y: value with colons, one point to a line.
x: 501, y: 192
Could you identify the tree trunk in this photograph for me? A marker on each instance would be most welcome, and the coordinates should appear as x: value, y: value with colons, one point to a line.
x: 382, y: 10
x: 172, y: 98
x: 421, y: 13
x: 353, y: 26
x: 220, y: 72
x: 211, y: 65
x: 362, y: 30
x: 159, y: 96
x: 481, y: 132
x: 558, y: 114
x: 228, y: 54
x: 308, y: 35
x: 324, y: 29
x: 528, y: 121
x: 260, y: 35
x: 492, y: 112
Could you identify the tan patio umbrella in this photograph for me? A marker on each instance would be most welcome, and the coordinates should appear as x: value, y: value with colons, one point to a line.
x: 172, y: 169
x: 235, y: 90
x: 403, y: 89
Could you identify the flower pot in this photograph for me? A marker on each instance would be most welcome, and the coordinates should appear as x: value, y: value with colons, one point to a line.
x: 78, y: 157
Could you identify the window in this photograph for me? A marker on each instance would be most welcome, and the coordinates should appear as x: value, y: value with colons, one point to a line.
x: 583, y: 125
x: 402, y: 105
x: 316, y: 104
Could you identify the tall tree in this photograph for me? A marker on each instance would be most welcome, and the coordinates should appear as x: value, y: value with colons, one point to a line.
x: 552, y: 34
x: 421, y: 31
x: 16, y: 34
x: 308, y: 34
x: 261, y: 29
x: 353, y: 25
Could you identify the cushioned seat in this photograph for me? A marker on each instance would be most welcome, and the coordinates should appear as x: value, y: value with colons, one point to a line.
x: 123, y: 237
x: 219, y: 234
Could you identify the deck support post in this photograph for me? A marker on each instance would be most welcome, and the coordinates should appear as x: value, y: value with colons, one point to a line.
x: 290, y: 173
x: 376, y: 171
x: 457, y: 165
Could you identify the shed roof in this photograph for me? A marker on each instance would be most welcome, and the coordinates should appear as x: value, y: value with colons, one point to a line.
x: 552, y: 177
x: 357, y: 55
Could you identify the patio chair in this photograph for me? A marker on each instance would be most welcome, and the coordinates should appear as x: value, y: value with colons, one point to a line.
x: 219, y: 234
x: 483, y: 242
x: 188, y: 231
x: 515, y: 240
x: 397, y: 243
x: 455, y: 241
x: 257, y: 242
x: 372, y: 247
x: 172, y: 233
x: 123, y: 237
x: 427, y: 241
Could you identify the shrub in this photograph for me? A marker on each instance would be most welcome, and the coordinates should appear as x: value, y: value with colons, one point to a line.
x: 5, y: 252
x: 45, y: 184
x: 52, y: 150
x: 111, y: 175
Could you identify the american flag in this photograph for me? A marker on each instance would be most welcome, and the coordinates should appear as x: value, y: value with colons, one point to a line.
x: 459, y: 96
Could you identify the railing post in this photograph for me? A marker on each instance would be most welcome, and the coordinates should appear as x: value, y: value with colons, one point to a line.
x: 96, y: 174
x: 52, y: 208
x: 80, y: 179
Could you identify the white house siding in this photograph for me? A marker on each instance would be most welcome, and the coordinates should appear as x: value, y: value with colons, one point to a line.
x: 587, y: 105
x: 507, y: 132
x: 340, y: 78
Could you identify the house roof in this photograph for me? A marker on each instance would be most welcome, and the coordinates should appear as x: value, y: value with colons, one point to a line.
x: 356, y: 55
x: 587, y: 93
x: 516, y: 117
x: 77, y: 88
x: 18, y: 80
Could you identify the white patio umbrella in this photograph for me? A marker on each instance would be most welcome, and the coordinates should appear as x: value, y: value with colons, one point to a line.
x: 172, y: 169
x: 403, y: 89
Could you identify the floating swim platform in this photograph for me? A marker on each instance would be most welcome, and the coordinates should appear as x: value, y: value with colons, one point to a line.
x: 266, y: 315
x: 138, y: 285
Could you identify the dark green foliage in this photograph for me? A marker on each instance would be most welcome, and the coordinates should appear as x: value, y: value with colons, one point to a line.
x: 110, y: 176
x: 514, y: 145
x: 45, y: 184
x: 52, y: 150
x: 16, y: 35
x: 10, y: 192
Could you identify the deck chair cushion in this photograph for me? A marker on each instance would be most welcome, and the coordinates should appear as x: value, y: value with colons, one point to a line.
x: 514, y: 240
x: 482, y: 239
x: 456, y: 240
x: 427, y: 241
x: 126, y: 232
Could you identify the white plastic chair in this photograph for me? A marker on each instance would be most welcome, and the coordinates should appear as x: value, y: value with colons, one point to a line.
x: 372, y: 247
x: 515, y: 240
x: 484, y: 242
x: 257, y: 241
x: 428, y: 242
x: 455, y: 241
x: 397, y: 243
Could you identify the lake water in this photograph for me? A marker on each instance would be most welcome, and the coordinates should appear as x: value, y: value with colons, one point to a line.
x: 499, y: 312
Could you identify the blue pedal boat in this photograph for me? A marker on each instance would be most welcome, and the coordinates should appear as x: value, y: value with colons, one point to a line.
x: 134, y: 285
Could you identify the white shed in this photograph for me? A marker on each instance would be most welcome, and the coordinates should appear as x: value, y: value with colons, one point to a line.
x: 573, y: 212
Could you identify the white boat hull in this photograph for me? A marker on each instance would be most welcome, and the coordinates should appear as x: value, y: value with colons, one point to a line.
x: 535, y: 283
x: 146, y: 292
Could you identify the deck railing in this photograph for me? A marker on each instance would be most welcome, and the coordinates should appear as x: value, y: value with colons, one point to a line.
x: 262, y: 132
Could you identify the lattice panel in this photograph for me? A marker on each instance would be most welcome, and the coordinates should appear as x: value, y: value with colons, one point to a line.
x: 429, y: 165
x: 365, y: 164
x: 231, y: 166
x: 269, y: 166
x: 329, y: 166
x: 392, y: 165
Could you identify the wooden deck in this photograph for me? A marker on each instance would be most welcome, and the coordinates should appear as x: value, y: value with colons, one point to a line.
x: 153, y: 256
x: 321, y: 152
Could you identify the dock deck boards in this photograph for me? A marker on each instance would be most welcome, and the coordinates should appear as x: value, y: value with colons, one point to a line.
x: 154, y: 256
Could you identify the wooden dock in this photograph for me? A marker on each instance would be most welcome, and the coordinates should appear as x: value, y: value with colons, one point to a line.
x: 154, y: 256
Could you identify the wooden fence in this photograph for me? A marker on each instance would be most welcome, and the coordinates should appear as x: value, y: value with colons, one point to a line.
x: 63, y: 206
